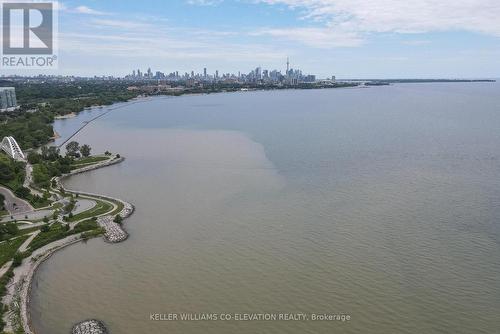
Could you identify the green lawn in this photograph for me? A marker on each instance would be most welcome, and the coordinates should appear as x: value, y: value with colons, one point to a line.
x: 28, y: 230
x: 57, y: 232
x: 9, y: 248
x: 119, y: 208
x: 88, y: 160
x: 86, y: 225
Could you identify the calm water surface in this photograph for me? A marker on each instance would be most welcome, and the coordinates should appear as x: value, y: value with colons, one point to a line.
x: 381, y: 203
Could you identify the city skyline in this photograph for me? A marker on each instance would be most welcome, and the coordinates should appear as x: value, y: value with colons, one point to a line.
x: 349, y: 39
x: 260, y: 74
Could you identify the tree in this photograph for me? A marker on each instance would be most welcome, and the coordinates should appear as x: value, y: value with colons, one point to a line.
x: 22, y: 192
x: 17, y: 260
x: 85, y: 150
x: 8, y: 230
x: 45, y: 228
x: 118, y: 219
x: 2, y: 204
x: 7, y: 172
x: 50, y: 153
x: 34, y: 158
x: 72, y: 148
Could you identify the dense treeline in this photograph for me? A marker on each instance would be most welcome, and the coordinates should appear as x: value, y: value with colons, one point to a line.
x: 12, y: 176
x: 50, y: 163
x: 8, y: 231
x: 11, y: 172
x: 29, y: 129
x: 65, y: 98
x: 41, y: 102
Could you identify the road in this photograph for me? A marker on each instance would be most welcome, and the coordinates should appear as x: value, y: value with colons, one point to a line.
x: 13, y: 204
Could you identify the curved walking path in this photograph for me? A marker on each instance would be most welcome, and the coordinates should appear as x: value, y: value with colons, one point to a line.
x: 18, y: 290
x: 83, y: 204
x: 28, y: 180
x: 30, y: 215
x: 24, y: 246
x: 5, y: 268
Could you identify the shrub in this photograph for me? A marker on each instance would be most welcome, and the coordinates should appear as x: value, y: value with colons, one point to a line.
x: 22, y: 192
x: 17, y: 259
x: 118, y: 219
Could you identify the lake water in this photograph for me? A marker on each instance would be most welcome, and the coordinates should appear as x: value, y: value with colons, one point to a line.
x: 380, y: 203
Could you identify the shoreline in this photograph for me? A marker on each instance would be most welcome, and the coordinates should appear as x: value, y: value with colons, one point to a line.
x: 27, y: 283
x: 70, y: 115
x: 21, y: 284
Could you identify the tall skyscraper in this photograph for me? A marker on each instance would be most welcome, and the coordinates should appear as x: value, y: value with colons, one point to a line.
x: 205, y: 72
x: 7, y: 98
x: 287, y: 65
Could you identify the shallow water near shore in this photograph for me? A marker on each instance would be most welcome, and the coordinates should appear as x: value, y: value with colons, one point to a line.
x: 380, y: 203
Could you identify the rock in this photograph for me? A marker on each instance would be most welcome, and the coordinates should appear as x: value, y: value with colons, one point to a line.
x: 89, y: 327
x: 113, y: 231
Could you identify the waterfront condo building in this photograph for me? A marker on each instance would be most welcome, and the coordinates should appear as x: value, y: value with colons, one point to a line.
x: 8, y: 99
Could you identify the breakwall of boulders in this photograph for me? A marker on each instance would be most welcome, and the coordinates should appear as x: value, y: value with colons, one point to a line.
x: 89, y: 327
x: 113, y: 233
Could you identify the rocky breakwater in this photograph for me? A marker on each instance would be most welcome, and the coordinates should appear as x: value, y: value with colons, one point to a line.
x: 111, y: 161
x: 114, y: 232
x: 23, y: 275
x: 89, y: 327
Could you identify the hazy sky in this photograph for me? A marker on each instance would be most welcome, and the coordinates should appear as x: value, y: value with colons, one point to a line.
x: 346, y: 38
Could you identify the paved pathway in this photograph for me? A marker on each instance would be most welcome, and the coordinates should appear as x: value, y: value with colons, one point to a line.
x: 28, y: 180
x: 33, y: 215
x: 24, y: 271
x: 14, y: 204
x: 25, y: 244
x: 5, y: 268
x: 83, y: 204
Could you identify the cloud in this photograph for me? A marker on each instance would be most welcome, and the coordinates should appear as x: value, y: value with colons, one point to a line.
x: 204, y: 2
x: 174, y: 45
x: 88, y: 10
x: 417, y: 42
x: 323, y: 38
x: 120, y: 24
x: 409, y: 16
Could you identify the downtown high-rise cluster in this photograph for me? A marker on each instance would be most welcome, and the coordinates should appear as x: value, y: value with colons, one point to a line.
x: 257, y: 75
